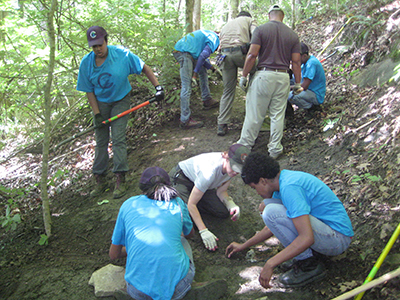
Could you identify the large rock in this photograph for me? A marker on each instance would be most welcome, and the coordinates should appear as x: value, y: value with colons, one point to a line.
x: 107, y: 280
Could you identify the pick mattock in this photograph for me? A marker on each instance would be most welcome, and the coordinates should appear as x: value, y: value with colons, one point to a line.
x: 105, y: 122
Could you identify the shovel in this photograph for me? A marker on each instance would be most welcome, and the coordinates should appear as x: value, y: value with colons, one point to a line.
x: 105, y: 122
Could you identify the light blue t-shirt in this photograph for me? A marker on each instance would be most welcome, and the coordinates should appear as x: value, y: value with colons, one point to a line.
x: 195, y: 42
x: 151, y: 232
x: 109, y: 82
x: 314, y: 71
x: 304, y: 194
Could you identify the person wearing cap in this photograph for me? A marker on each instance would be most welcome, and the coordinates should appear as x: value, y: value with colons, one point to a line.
x: 313, y: 82
x: 303, y: 213
x: 276, y: 46
x: 192, y: 52
x: 148, y: 232
x: 235, y: 42
x: 202, y: 182
x: 103, y: 75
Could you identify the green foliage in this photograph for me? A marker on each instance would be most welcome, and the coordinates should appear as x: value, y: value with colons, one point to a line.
x: 11, y: 219
x: 366, y: 177
x: 44, y: 240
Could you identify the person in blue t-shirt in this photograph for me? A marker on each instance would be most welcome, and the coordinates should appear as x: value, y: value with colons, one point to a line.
x: 103, y: 75
x: 313, y: 83
x: 302, y: 212
x: 192, y: 52
x: 148, y: 232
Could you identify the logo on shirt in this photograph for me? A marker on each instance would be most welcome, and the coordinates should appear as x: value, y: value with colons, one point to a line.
x: 105, y: 81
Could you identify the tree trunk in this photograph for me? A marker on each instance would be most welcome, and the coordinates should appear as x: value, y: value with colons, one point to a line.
x: 189, y: 15
x: 47, y: 122
x: 197, y: 15
x: 234, y: 9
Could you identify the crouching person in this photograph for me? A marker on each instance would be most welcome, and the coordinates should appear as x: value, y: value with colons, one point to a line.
x: 148, y: 232
x: 302, y: 212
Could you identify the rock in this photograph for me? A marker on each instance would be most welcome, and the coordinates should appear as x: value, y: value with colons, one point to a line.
x: 107, y: 280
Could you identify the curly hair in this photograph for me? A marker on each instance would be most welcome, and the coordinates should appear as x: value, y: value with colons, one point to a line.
x: 157, y: 189
x: 258, y: 165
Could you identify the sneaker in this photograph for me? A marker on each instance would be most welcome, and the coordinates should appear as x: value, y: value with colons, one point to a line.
x: 222, y: 129
x: 120, y: 186
x: 191, y: 124
x: 210, y: 290
x: 210, y: 103
x: 101, y: 185
x: 303, y: 272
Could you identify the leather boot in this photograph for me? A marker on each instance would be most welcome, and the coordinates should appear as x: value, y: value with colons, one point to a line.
x: 120, y: 186
x: 101, y: 185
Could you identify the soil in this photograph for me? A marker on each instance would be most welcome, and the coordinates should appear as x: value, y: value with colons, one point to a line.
x: 363, y: 139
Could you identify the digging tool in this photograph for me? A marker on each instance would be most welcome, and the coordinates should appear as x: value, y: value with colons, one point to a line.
x: 330, y: 55
x: 105, y: 122
x: 380, y: 260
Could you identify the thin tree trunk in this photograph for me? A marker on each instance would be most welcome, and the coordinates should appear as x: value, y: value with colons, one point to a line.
x: 234, y: 9
x: 197, y: 15
x: 189, y: 15
x: 47, y: 122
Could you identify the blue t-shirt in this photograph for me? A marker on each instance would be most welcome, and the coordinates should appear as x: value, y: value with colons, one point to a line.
x: 304, y: 194
x: 151, y: 232
x: 314, y: 71
x: 195, y: 42
x: 109, y: 82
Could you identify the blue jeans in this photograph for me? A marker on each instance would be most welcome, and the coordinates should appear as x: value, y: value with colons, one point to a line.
x: 181, y: 288
x: 187, y: 65
x: 304, y: 100
x: 326, y: 240
x: 118, y: 136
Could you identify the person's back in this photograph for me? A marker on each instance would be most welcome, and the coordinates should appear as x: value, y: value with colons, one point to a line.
x: 236, y: 32
x: 195, y: 42
x: 314, y: 70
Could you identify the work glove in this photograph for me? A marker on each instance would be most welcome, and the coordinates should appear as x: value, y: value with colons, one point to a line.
x: 297, y: 89
x: 233, y: 209
x: 98, y: 120
x: 159, y: 93
x: 194, y: 82
x: 209, y: 239
x: 243, y: 84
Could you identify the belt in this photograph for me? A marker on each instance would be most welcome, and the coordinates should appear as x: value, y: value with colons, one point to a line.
x: 231, y: 49
x: 273, y: 70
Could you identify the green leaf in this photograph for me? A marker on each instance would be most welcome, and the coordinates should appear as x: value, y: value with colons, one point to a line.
x: 44, y: 240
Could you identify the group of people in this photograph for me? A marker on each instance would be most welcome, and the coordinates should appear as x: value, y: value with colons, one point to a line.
x: 152, y: 229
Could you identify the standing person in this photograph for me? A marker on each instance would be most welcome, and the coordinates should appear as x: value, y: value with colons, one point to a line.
x: 235, y: 42
x: 276, y: 46
x: 191, y: 52
x: 302, y: 212
x: 202, y: 182
x: 148, y: 231
x: 103, y: 75
x: 313, y: 82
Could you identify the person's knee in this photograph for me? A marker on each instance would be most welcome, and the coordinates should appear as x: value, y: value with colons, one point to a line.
x: 271, y: 212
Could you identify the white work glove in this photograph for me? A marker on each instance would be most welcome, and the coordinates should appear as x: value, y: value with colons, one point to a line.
x: 297, y: 89
x: 243, y: 84
x: 209, y: 239
x: 194, y: 82
x: 234, y: 210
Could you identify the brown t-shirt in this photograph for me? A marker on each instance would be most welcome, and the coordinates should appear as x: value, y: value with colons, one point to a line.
x: 277, y: 42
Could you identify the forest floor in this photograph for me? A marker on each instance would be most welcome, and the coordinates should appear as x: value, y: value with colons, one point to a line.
x: 351, y: 145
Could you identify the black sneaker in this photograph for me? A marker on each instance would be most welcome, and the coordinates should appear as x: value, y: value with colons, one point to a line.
x: 303, y: 272
x: 222, y: 129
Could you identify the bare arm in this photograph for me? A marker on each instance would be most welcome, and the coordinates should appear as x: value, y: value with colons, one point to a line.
x: 150, y: 75
x: 251, y: 59
x: 259, y: 237
x: 222, y: 191
x: 117, y: 251
x: 93, y: 102
x: 305, y: 84
x: 296, y: 67
x: 194, y: 198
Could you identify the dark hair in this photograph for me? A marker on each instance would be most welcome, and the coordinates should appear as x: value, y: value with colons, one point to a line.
x: 304, y: 48
x: 106, y: 38
x: 243, y: 14
x: 157, y: 189
x: 258, y: 165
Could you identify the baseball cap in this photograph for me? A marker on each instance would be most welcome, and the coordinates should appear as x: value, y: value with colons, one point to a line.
x: 95, y: 35
x: 149, y: 173
x: 275, y: 7
x: 237, y: 154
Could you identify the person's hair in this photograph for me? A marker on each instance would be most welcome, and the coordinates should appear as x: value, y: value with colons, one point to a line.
x: 157, y: 189
x: 304, y: 48
x: 106, y: 38
x: 258, y: 165
x: 243, y: 14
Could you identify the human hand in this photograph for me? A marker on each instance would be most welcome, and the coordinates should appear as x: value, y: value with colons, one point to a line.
x: 233, y: 248
x: 233, y: 209
x: 265, y: 276
x: 98, y: 120
x: 297, y: 89
x: 261, y: 207
x: 209, y: 239
x: 159, y: 93
x: 243, y: 84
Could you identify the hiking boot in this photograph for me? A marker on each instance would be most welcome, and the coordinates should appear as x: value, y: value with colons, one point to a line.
x: 303, y: 272
x: 210, y: 103
x: 210, y: 290
x: 191, y: 124
x: 120, y: 186
x: 101, y: 185
x: 222, y: 129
